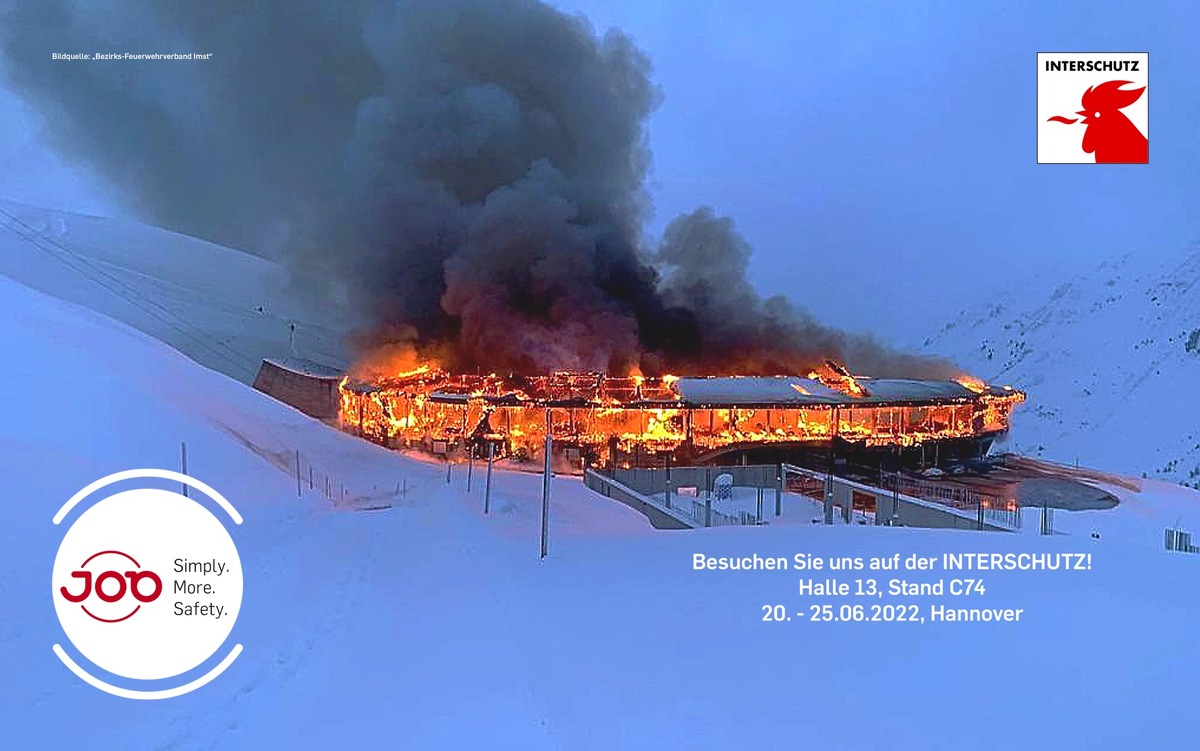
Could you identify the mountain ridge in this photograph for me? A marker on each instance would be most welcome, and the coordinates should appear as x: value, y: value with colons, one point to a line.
x: 1105, y: 356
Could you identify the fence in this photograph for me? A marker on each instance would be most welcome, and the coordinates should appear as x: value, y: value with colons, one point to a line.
x: 924, y: 503
x: 1180, y: 541
x: 655, y: 493
x: 310, y: 479
x: 996, y: 509
x: 660, y: 516
x: 721, y: 519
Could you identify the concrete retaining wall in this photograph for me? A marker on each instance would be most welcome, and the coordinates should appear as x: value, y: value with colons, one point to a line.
x: 908, y: 511
x: 618, y: 492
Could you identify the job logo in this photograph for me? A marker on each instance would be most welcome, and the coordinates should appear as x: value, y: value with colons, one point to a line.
x: 113, y: 586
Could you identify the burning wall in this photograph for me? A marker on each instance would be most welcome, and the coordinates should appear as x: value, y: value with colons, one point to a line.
x: 601, y: 419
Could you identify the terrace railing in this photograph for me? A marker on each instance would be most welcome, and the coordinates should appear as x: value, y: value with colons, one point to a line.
x: 664, y: 490
x: 659, y: 488
x: 998, y: 509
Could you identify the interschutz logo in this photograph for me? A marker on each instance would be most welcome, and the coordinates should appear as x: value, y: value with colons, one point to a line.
x: 1093, y: 108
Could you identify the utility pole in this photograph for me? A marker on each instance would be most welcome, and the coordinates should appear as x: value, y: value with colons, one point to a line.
x: 897, y: 463
x: 487, y: 487
x: 183, y: 462
x: 470, y: 464
x: 546, y: 489
x: 667, y: 481
x: 896, y: 500
x: 829, y: 468
x: 707, y: 497
x: 828, y: 506
x: 779, y: 490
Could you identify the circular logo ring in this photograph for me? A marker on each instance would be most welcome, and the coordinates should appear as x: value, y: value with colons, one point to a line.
x: 82, y: 495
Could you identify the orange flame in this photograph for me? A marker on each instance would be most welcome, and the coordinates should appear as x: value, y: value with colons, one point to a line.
x: 392, y: 362
x: 972, y: 383
x: 607, y: 418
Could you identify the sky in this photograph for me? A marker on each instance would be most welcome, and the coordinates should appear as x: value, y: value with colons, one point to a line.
x: 880, y: 157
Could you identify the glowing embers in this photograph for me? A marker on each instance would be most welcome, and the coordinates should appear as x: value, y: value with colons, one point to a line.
x: 597, y: 418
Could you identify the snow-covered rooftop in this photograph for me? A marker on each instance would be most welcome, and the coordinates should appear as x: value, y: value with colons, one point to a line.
x: 756, y: 390
x: 904, y: 389
x: 792, y: 390
x: 306, y: 367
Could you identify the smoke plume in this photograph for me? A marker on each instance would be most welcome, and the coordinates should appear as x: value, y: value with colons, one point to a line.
x: 469, y: 173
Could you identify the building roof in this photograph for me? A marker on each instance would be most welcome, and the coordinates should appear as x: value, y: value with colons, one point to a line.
x: 795, y: 391
x: 691, y: 391
x: 904, y: 389
x: 755, y: 390
x: 309, y: 368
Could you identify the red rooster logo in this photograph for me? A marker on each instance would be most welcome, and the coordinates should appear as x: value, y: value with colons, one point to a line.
x: 1110, y: 135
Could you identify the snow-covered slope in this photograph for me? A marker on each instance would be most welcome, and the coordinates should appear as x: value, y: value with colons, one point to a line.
x: 430, y: 626
x: 1110, y: 359
x: 224, y: 308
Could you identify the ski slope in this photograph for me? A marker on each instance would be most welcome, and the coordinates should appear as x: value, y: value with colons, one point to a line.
x: 429, y: 626
x: 224, y: 308
x: 1108, y: 357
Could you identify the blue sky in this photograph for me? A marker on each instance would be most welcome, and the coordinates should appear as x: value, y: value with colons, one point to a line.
x: 879, y: 157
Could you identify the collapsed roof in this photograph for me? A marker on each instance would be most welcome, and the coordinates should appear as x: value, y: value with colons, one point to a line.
x: 582, y: 389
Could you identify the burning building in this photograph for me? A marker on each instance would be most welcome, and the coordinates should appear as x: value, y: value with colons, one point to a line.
x: 600, y: 420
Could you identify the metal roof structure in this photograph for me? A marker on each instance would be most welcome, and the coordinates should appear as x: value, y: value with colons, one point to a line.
x: 756, y: 390
x: 791, y: 391
x: 688, y: 392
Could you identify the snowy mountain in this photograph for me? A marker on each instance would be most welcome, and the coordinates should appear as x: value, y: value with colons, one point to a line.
x: 1109, y: 358
x: 224, y: 308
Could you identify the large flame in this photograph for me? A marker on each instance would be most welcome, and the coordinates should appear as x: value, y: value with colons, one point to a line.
x: 971, y: 382
x: 608, y: 419
x: 836, y: 377
x: 392, y: 362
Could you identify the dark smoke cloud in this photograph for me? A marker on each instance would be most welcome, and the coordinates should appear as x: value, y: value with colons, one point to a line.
x: 240, y: 148
x: 471, y: 173
x: 704, y: 264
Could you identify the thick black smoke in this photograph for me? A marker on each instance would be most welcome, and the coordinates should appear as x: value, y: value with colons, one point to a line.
x: 470, y: 172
